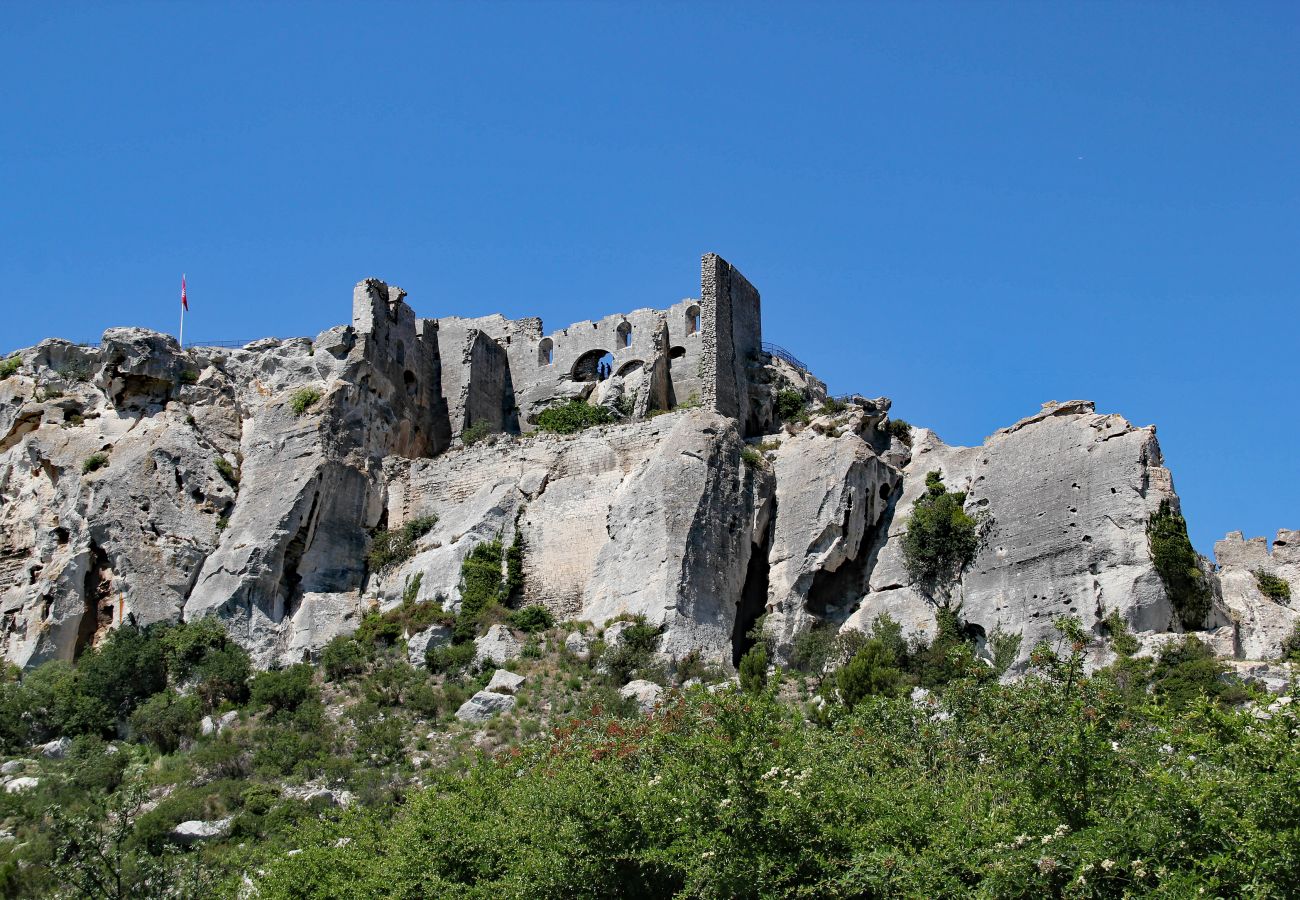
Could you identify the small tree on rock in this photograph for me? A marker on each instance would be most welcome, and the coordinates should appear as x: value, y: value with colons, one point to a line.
x: 941, y: 540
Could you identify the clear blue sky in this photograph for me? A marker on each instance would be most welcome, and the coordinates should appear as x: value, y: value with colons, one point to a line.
x: 969, y: 207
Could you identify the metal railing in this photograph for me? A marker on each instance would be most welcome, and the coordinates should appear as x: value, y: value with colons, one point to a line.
x: 781, y: 353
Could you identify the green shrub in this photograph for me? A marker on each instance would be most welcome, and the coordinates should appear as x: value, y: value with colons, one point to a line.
x: 753, y: 670
x: 188, y: 376
x: 813, y: 649
x: 1291, y: 645
x: 303, y: 400
x: 94, y: 462
x: 832, y: 406
x: 343, y: 656
x: 871, y: 672
x: 392, y: 547
x: 751, y: 457
x: 572, y: 417
x: 10, y: 366
x: 1188, y: 670
x: 482, y: 586
x: 790, y: 404
x: 477, y: 432
x: 226, y: 471
x: 283, y: 690
x: 1273, y: 587
x: 632, y: 654
x: 223, y: 676
x: 902, y: 430
x: 1121, y: 639
x: 941, y: 539
x: 165, y: 719
x: 1004, y: 646
x: 532, y: 618
x: 1179, y: 566
x: 449, y: 658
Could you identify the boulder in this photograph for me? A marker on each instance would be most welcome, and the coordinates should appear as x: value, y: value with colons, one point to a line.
x: 504, y: 682
x: 210, y: 725
x: 56, y: 749
x: 418, y: 644
x: 12, y: 766
x: 24, y: 783
x: 497, y: 646
x: 195, y: 832
x: 484, y: 705
x: 578, y: 645
x: 646, y: 694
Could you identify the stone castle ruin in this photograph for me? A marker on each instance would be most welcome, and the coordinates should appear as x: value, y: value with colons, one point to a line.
x: 143, y: 482
x: 499, y: 374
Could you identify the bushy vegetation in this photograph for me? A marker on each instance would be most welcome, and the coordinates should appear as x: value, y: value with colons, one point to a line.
x: 303, y: 400
x: 10, y: 365
x: 93, y: 463
x: 1061, y: 785
x: 901, y: 429
x: 1179, y: 566
x: 393, y: 547
x: 477, y: 432
x: 532, y: 619
x: 941, y: 540
x: 790, y: 404
x: 572, y: 417
x: 490, y: 578
x: 227, y: 471
x: 1272, y: 587
x: 751, y: 457
x: 631, y: 656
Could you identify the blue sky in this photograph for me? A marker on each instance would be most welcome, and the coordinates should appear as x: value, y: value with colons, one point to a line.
x: 970, y: 207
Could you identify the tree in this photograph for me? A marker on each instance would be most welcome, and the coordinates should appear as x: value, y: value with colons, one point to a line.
x: 870, y: 672
x: 753, y: 670
x: 1178, y: 565
x: 941, y: 539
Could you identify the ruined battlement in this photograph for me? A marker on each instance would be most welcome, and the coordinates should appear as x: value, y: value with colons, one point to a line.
x: 502, y: 373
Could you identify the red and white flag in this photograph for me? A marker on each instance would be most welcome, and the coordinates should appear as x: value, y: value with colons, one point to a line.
x: 185, y: 304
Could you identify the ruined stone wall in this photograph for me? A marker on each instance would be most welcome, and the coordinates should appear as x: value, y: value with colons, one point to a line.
x: 732, y: 335
x: 710, y: 342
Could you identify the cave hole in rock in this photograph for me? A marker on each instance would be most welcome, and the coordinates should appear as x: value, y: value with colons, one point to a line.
x: 677, y: 353
x: 291, y: 581
x: 408, y: 377
x: 96, y: 594
x: 753, y: 599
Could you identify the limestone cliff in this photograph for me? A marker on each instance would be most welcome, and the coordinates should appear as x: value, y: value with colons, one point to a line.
x: 141, y: 482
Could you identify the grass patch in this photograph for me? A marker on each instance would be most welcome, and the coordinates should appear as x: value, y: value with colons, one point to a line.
x: 303, y: 400
x: 1271, y: 586
x: 390, y: 548
x: 94, y: 462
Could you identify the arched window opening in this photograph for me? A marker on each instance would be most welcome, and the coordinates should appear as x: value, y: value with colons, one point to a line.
x: 624, y: 336
x: 411, y: 387
x: 629, y: 367
x: 693, y: 320
x: 677, y: 353
x: 546, y: 352
x: 594, y: 365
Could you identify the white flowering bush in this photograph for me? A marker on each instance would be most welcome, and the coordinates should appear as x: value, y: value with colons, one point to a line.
x: 1061, y: 785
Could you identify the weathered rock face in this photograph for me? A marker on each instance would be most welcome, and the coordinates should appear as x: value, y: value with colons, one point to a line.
x: 143, y: 483
x: 1068, y: 493
x: 1261, y: 622
x: 832, y: 492
x: 655, y: 518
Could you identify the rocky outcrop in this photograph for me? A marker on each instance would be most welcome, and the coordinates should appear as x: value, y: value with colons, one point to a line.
x: 1262, y: 622
x: 1067, y: 494
x: 485, y: 705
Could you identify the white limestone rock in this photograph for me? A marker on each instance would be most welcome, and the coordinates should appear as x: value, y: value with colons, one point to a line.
x: 578, y: 645
x: 498, y: 646
x: 832, y: 489
x: 646, y: 694
x: 504, y: 682
x: 210, y: 725
x: 1262, y: 622
x: 56, y: 749
x: 12, y: 767
x: 484, y: 705
x: 418, y: 644
x: 196, y: 832
x: 21, y: 784
x: 1068, y: 493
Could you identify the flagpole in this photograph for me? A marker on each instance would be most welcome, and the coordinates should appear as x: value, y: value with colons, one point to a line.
x: 181, y: 339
